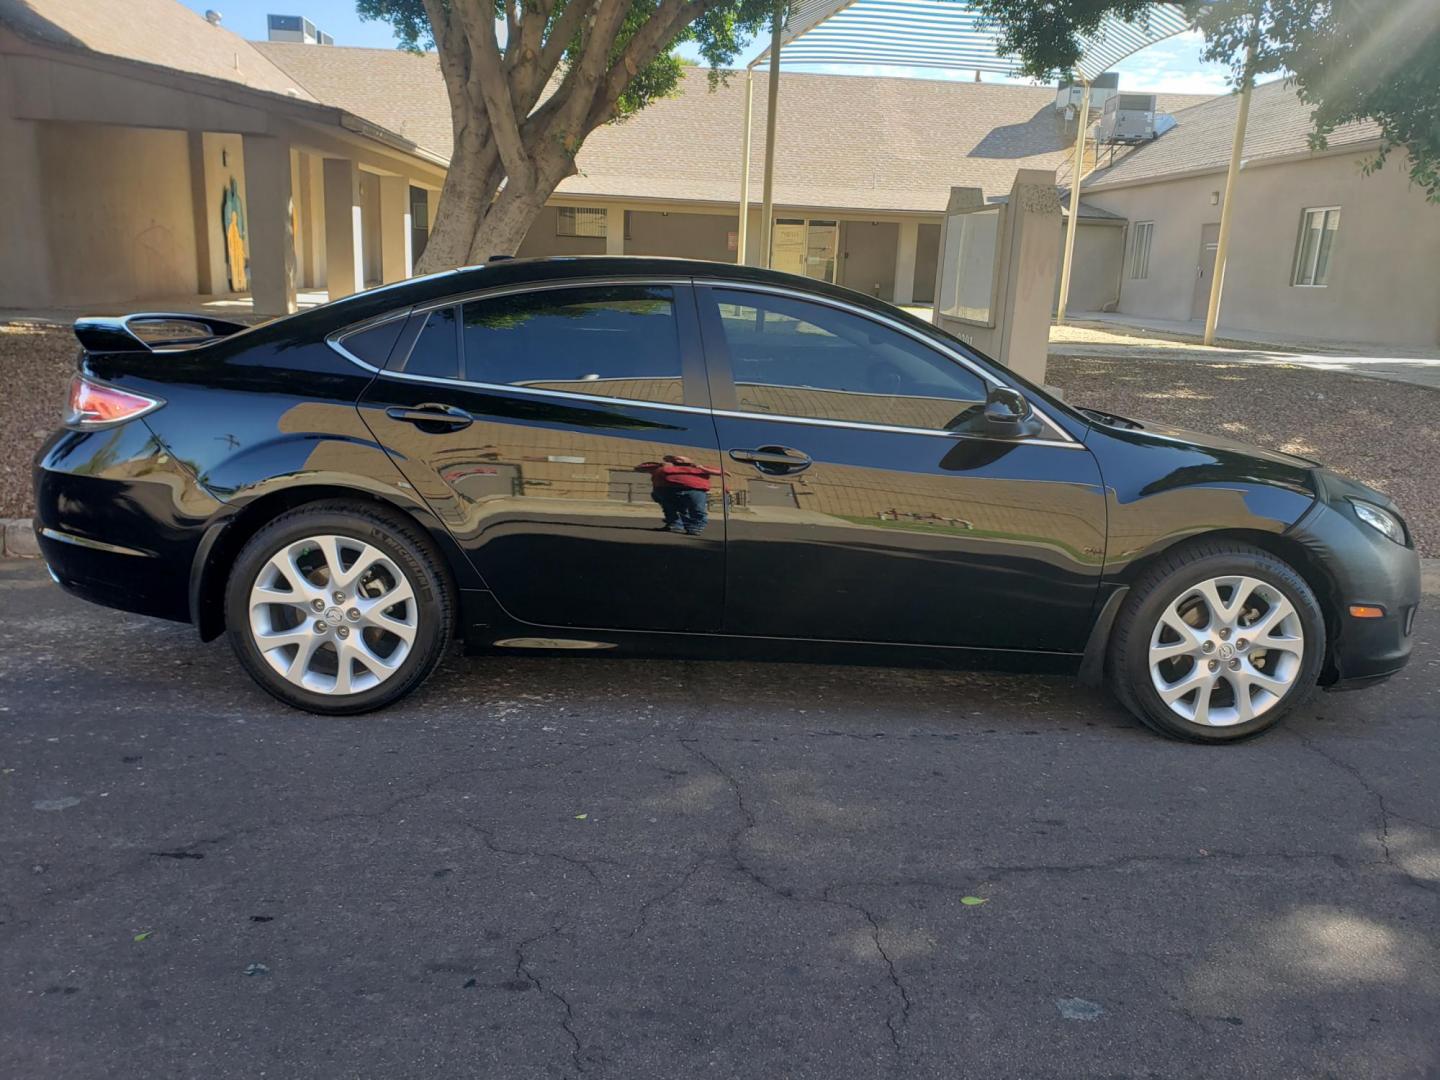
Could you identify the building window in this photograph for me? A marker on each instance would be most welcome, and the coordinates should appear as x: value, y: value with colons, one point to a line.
x: 1318, y: 226
x: 1140, y: 249
x: 581, y: 221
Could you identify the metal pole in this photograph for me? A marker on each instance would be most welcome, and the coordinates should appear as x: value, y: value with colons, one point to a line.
x: 1076, y: 169
x: 767, y: 212
x: 1222, y: 247
x: 743, y: 232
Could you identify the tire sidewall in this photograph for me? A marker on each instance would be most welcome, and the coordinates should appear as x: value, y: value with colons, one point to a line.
x: 424, y: 580
x: 1147, y: 613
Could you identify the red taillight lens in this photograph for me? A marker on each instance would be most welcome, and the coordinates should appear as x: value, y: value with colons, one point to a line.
x: 93, y: 404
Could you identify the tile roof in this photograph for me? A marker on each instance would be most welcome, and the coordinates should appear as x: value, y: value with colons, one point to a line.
x: 159, y: 32
x: 1278, y: 125
x: 403, y: 92
x: 845, y: 142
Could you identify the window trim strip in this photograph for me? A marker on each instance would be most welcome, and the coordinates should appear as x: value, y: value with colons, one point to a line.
x: 1065, y: 440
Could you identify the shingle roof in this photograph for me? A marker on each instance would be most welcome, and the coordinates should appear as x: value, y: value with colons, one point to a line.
x: 401, y: 91
x: 1278, y: 125
x: 160, y: 32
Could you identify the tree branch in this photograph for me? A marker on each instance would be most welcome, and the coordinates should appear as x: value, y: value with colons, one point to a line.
x: 487, y: 72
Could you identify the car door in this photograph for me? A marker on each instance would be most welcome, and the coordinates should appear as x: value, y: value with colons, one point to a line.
x: 514, y: 413
x: 860, y: 509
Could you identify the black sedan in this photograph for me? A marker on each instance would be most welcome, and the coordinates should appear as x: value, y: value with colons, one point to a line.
x: 705, y: 459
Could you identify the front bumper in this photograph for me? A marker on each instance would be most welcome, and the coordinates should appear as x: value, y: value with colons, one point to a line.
x: 1363, y: 568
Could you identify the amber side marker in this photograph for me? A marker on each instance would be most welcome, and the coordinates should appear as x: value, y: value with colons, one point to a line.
x: 1366, y: 611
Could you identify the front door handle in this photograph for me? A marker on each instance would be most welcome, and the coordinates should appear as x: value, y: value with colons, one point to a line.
x: 448, y: 417
x: 775, y: 460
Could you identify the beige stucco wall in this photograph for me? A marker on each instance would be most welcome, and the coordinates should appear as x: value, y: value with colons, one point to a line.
x: 1384, y: 272
x: 1095, y: 268
x: 541, y: 240
x: 126, y: 231
x: 689, y: 236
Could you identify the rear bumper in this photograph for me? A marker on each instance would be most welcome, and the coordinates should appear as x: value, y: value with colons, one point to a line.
x: 1364, y: 568
x: 118, y: 520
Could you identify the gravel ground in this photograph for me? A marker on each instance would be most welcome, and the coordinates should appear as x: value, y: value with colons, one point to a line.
x: 36, y: 363
x: 1381, y: 433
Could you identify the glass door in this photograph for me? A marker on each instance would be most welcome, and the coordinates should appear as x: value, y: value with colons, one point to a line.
x: 806, y: 248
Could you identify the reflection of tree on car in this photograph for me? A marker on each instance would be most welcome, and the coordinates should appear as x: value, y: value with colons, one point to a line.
x: 681, y: 488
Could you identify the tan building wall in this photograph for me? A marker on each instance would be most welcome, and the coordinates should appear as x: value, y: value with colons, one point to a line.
x: 1095, y: 273
x: 124, y: 232
x: 1384, y: 271
x: 681, y: 235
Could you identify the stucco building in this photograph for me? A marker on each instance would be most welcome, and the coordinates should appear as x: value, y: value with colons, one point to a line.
x: 237, y: 167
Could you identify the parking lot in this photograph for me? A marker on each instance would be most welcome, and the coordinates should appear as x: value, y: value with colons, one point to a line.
x: 623, y: 868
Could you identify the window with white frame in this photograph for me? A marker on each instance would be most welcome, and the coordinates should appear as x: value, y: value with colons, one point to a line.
x: 1140, y: 236
x: 581, y: 221
x: 1318, y: 226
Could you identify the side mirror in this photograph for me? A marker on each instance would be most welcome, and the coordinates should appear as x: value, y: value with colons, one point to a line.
x: 1008, y: 415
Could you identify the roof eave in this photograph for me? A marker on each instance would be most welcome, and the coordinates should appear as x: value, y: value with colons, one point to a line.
x: 1365, y: 146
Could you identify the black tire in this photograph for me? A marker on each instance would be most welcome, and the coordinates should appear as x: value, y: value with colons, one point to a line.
x: 402, y: 543
x: 1184, y: 568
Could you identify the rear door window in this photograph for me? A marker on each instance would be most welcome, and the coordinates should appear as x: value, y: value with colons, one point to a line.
x: 609, y: 341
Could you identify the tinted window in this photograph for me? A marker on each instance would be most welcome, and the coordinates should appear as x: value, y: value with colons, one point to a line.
x: 615, y: 341
x: 374, y: 343
x: 795, y: 358
x: 437, y: 349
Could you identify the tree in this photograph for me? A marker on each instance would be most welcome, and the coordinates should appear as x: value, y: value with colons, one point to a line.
x: 521, y: 108
x: 1350, y: 59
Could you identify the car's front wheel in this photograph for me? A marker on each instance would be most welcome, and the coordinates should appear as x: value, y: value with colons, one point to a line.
x: 1217, y: 642
x: 337, y: 609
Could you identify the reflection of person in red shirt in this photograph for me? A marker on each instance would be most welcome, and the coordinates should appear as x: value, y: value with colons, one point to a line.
x: 681, y: 488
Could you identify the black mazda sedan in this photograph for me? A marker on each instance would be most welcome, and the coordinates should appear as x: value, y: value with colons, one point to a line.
x: 647, y: 454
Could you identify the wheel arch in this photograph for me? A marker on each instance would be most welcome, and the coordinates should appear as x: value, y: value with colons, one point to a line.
x: 1283, y: 547
x: 225, y: 538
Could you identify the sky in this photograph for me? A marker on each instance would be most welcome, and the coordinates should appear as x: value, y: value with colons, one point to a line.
x: 1169, y: 67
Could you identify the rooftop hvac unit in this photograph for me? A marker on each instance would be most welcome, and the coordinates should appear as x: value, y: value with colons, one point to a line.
x: 1068, y: 95
x: 1128, y: 118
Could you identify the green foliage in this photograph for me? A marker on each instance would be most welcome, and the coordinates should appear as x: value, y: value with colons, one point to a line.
x: 719, y: 34
x: 1350, y: 59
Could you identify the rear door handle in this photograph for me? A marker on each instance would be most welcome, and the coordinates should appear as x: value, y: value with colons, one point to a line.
x: 444, y: 416
x: 776, y: 460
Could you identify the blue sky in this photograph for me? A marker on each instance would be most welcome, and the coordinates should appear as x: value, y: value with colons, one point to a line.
x: 1172, y: 66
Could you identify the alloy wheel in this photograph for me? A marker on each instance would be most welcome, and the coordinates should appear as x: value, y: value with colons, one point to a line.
x: 333, y: 615
x: 1226, y: 651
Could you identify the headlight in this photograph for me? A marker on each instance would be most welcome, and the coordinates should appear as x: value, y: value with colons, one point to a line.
x: 1380, y: 520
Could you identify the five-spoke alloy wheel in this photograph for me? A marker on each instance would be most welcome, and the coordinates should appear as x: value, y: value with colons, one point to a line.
x: 337, y: 610
x: 1216, y: 642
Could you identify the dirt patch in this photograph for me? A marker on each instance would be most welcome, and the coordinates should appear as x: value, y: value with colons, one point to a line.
x: 1381, y: 433
x: 36, y: 364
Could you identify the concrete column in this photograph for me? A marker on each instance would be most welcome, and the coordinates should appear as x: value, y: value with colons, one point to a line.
x: 199, y: 183
x: 614, y: 230
x: 24, y: 246
x: 905, y: 247
x: 271, y: 224
x: 397, y: 261
x: 344, y: 232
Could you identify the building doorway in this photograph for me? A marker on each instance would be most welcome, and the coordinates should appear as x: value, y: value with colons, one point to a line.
x: 804, y: 246
x: 1205, y: 270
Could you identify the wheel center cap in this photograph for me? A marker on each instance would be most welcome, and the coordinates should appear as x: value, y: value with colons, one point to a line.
x: 335, y: 616
x: 1226, y: 650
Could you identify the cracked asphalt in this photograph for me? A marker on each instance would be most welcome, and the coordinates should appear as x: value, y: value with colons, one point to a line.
x: 629, y: 869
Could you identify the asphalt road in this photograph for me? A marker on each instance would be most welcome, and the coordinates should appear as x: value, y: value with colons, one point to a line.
x: 630, y: 869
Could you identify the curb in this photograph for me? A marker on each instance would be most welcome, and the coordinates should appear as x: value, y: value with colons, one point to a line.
x: 17, y: 539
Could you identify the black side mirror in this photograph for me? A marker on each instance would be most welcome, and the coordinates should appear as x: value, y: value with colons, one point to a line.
x: 1008, y: 415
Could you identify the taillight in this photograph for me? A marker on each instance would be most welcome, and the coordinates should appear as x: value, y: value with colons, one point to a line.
x: 94, y: 404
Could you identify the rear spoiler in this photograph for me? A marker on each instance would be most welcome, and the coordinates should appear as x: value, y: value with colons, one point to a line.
x: 167, y: 331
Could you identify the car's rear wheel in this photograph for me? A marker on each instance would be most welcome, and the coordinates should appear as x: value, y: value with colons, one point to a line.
x: 1217, y: 642
x: 337, y: 609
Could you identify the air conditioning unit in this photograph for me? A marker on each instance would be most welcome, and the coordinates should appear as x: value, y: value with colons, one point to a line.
x: 1102, y: 89
x: 1128, y: 118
